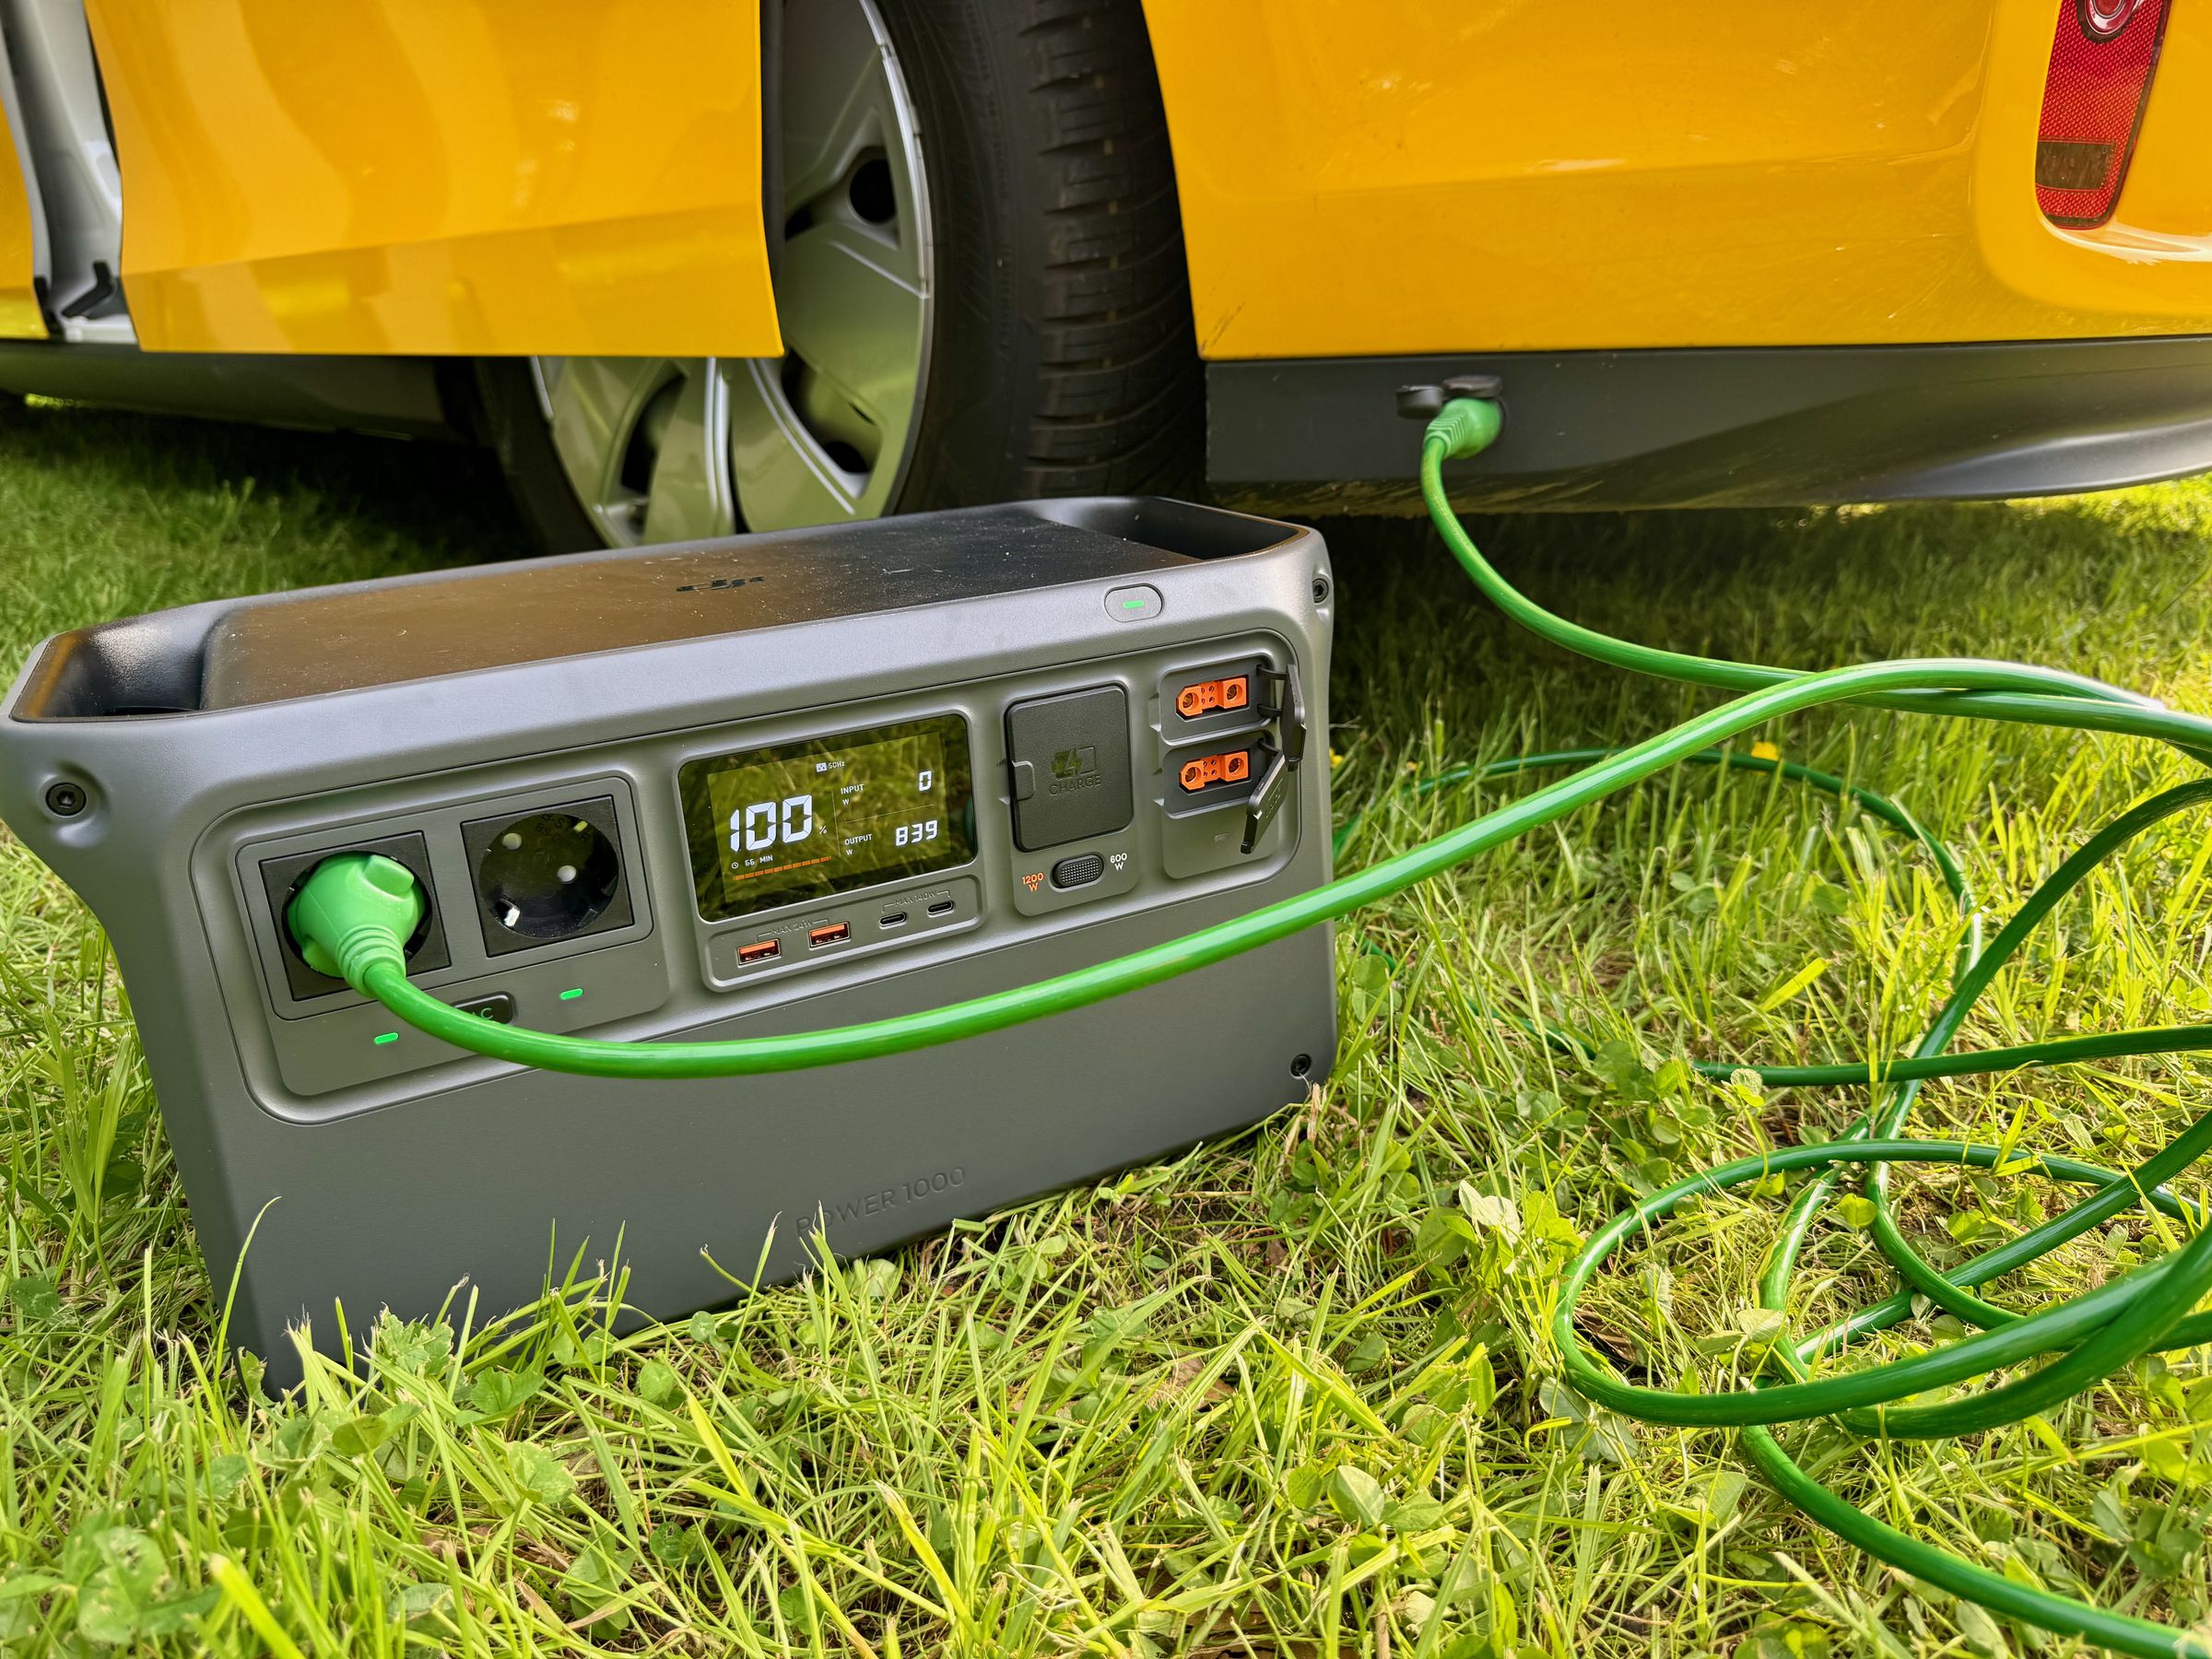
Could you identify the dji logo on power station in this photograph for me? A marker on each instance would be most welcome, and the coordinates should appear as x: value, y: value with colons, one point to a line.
x: 1074, y: 768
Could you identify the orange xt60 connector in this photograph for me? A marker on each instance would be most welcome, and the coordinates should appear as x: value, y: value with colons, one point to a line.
x: 1231, y: 768
x: 1208, y: 696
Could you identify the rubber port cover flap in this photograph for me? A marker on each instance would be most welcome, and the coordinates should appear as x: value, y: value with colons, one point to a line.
x: 1069, y: 755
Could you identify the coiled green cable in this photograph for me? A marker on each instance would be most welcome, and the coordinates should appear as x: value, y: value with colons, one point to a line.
x: 2095, y: 1334
x: 353, y: 913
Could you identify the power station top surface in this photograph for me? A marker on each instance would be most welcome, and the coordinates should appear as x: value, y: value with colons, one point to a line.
x: 236, y: 653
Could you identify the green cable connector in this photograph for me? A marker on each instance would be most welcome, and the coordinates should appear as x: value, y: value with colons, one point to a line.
x: 353, y: 911
x: 356, y: 912
x: 1465, y: 425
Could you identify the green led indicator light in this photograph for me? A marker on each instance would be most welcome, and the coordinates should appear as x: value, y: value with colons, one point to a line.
x: 1133, y: 605
x: 387, y: 1036
x: 571, y: 995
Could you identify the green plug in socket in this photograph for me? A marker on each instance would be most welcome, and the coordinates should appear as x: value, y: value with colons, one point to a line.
x: 354, y: 909
x: 1467, y: 426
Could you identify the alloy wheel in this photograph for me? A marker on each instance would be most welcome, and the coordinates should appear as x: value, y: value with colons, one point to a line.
x: 671, y: 449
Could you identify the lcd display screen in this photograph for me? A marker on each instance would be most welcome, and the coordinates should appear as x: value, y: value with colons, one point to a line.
x: 770, y: 826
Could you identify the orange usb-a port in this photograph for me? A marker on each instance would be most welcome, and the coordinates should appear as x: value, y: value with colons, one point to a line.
x: 760, y: 950
x: 830, y: 932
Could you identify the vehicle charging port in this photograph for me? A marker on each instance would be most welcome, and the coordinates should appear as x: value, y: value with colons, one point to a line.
x: 1208, y: 772
x: 1213, y: 696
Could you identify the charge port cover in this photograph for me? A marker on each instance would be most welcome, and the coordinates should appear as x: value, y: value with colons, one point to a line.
x: 1069, y: 755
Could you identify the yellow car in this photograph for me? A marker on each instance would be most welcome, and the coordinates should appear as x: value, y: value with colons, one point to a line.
x: 695, y: 265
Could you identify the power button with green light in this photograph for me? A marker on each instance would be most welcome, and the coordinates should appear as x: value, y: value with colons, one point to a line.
x: 1137, y: 603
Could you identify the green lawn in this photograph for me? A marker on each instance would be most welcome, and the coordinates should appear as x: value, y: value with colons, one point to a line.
x: 1287, y: 1396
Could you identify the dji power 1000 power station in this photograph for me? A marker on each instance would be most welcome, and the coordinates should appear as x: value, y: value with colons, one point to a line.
x: 762, y: 785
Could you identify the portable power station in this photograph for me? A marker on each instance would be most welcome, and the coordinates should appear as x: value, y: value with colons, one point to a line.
x: 758, y: 785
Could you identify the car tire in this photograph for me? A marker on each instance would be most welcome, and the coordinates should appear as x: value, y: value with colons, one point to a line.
x: 1059, y: 356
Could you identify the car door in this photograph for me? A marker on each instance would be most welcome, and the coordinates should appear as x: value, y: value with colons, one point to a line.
x: 441, y: 176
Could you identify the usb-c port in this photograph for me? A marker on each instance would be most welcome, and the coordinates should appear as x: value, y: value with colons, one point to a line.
x: 893, y: 919
x: 943, y: 907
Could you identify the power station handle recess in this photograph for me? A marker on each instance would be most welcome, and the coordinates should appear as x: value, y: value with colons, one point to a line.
x: 357, y: 914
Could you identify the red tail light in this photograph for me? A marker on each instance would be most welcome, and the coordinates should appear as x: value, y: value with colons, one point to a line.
x: 2102, y: 56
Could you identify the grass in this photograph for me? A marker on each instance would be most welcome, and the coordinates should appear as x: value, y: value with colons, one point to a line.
x: 1286, y: 1397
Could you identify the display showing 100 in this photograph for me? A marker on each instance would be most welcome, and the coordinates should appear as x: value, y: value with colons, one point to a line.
x: 760, y: 825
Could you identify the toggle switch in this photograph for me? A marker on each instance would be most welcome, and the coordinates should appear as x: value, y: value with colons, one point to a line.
x: 1078, y: 871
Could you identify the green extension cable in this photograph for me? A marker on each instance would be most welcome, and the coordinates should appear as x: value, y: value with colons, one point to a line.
x: 356, y: 912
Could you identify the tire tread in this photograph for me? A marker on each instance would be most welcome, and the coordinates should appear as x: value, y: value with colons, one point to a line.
x: 1098, y: 388
x: 1121, y: 398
